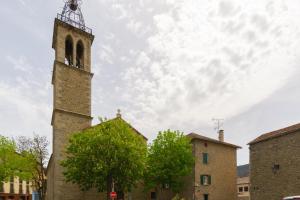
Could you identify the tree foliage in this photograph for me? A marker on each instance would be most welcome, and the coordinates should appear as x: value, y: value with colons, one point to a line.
x: 37, y: 147
x: 109, y: 152
x: 170, y: 158
x: 13, y: 163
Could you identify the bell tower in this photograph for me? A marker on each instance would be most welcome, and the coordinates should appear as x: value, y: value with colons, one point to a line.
x: 71, y: 80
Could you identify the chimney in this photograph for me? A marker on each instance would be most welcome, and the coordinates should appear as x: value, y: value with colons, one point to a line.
x: 221, y: 135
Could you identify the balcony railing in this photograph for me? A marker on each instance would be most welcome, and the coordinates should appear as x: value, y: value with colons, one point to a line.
x: 74, y: 23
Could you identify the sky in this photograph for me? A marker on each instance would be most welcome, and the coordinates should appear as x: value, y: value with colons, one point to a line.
x: 167, y: 64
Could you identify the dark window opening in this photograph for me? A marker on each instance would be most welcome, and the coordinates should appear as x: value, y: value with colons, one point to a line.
x: 275, y: 168
x: 240, y: 189
x: 205, y: 158
x: 20, y: 186
x: 246, y: 189
x: 27, y: 187
x: 69, y: 51
x: 11, y: 188
x: 79, y: 55
x: 205, y: 196
x: 153, y: 195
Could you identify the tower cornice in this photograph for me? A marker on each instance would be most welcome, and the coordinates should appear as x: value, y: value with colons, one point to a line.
x: 58, y: 110
x: 59, y: 22
x: 69, y: 67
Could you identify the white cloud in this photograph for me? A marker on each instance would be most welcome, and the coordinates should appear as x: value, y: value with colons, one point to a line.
x: 21, y: 109
x: 20, y: 64
x: 22, y: 2
x: 211, y: 59
x: 25, y: 99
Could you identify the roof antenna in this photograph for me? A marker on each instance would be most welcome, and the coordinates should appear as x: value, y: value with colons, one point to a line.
x: 219, y: 128
x: 218, y: 123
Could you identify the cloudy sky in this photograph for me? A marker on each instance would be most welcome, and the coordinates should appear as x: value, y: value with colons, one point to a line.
x: 165, y: 63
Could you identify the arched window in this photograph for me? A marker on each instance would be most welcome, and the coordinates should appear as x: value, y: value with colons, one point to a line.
x: 69, y: 51
x: 79, y: 54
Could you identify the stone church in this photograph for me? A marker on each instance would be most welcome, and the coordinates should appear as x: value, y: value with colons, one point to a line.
x: 72, y: 75
x: 71, y: 81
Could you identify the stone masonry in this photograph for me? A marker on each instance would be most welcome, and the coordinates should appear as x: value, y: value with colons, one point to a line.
x: 275, y: 164
x: 72, y: 105
x: 221, y: 167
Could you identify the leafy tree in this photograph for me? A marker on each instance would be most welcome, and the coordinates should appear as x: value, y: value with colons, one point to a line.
x: 170, y: 158
x: 111, y: 152
x: 37, y: 147
x: 12, y: 163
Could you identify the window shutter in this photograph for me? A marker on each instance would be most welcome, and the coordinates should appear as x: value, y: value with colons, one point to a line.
x: 209, y: 180
x: 205, y: 158
x: 202, y: 179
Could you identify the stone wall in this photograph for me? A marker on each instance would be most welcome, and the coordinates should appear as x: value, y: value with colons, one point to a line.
x: 221, y: 167
x: 267, y: 183
x: 71, y: 107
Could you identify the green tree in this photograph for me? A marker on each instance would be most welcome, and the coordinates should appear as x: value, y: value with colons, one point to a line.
x: 37, y: 147
x: 111, y: 152
x: 170, y: 159
x: 13, y: 163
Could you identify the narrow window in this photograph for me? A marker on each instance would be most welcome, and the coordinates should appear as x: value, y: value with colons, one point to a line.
x: 79, y: 55
x: 12, y: 189
x: 20, y: 186
x: 27, y: 187
x: 69, y: 51
x: 205, y: 158
x: 205, y: 196
x: 275, y: 168
x: 246, y: 189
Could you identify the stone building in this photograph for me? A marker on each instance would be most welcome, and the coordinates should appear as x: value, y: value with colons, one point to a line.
x: 243, y: 182
x: 214, y: 174
x: 71, y: 80
x: 16, y: 189
x: 275, y: 164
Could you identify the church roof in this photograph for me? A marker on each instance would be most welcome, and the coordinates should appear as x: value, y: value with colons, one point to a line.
x: 120, y: 118
x: 277, y: 133
x: 201, y: 137
x: 116, y: 118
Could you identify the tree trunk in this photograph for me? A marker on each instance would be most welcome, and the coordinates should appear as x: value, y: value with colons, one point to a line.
x: 109, y: 183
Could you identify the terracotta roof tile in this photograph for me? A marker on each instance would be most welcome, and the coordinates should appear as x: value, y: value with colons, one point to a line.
x: 201, y: 137
x: 277, y: 133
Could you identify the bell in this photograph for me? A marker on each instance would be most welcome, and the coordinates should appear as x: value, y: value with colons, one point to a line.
x: 73, y: 5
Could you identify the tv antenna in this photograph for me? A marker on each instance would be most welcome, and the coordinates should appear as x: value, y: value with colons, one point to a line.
x: 218, y: 123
